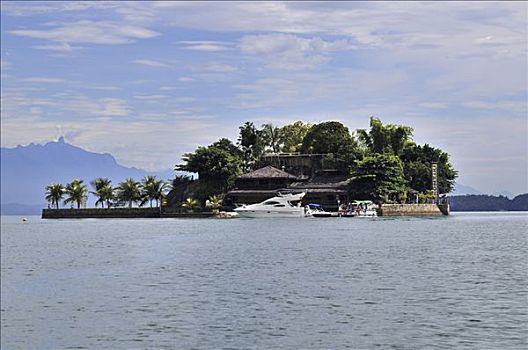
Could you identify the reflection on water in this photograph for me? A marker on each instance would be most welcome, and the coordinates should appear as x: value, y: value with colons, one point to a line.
x: 406, y: 283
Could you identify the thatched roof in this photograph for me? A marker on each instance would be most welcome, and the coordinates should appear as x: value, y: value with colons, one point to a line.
x: 268, y: 172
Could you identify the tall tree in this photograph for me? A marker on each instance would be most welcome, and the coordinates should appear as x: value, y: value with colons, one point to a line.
x: 334, y: 139
x: 251, y: 144
x: 216, y: 167
x: 417, y: 162
x: 76, y: 192
x: 271, y: 137
x: 152, y: 189
x: 378, y: 177
x: 291, y: 136
x: 389, y: 138
x: 103, y: 191
x: 129, y: 191
x: 54, y: 194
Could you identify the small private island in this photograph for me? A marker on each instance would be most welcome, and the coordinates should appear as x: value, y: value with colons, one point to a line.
x: 325, y: 165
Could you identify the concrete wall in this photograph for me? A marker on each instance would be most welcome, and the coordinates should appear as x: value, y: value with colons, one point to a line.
x: 119, y: 213
x: 413, y: 210
x: 98, y: 213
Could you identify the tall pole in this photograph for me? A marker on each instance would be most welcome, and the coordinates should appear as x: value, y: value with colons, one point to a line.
x: 434, y: 170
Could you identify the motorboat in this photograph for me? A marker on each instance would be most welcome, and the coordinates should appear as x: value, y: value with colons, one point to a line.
x: 316, y: 211
x: 360, y: 208
x: 282, y: 205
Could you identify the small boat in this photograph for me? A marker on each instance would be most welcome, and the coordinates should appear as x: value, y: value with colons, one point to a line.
x: 282, y: 206
x: 360, y: 209
x: 316, y: 211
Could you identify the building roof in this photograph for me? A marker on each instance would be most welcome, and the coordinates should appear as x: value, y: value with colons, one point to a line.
x: 268, y: 172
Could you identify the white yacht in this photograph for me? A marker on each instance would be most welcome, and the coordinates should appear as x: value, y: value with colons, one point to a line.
x: 316, y: 211
x: 283, y: 205
x: 361, y: 209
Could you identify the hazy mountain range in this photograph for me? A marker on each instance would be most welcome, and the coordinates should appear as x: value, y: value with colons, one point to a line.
x: 26, y: 170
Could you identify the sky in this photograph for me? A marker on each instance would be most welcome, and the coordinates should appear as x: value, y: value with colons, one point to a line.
x: 149, y: 81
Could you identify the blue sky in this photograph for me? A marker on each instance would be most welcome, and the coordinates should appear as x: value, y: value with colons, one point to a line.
x: 149, y: 81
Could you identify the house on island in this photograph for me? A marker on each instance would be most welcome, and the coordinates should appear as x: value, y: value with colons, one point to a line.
x: 298, y: 173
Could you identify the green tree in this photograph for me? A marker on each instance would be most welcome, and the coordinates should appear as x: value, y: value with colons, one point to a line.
x: 216, y: 167
x: 291, y: 136
x: 54, y: 194
x: 389, y: 138
x: 334, y: 139
x: 251, y: 143
x: 129, y: 191
x: 103, y: 190
x: 152, y: 189
x: 215, y: 201
x: 417, y: 162
x: 228, y: 146
x: 378, y: 177
x: 271, y: 137
x: 76, y: 192
x: 191, y: 204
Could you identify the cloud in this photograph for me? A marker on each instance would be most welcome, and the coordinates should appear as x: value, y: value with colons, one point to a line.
x: 186, y: 79
x: 151, y: 97
x: 90, y: 32
x: 204, y: 45
x: 44, y: 80
x: 151, y: 63
x: 287, y: 51
x: 61, y: 47
x: 216, y: 67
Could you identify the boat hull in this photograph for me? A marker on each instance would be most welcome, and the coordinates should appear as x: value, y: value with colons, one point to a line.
x: 270, y: 214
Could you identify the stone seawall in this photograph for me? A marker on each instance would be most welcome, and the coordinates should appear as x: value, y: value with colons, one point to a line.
x: 119, y: 213
x: 98, y: 213
x: 413, y: 210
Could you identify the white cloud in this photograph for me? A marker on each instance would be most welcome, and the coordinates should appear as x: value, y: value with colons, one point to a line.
x: 151, y: 63
x: 186, y: 79
x: 151, y: 97
x: 434, y: 105
x: 90, y: 32
x: 60, y: 47
x: 44, y: 80
x: 287, y: 51
x: 216, y: 67
x: 205, y: 45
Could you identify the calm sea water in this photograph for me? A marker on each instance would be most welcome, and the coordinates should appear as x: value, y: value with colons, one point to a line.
x: 457, y: 282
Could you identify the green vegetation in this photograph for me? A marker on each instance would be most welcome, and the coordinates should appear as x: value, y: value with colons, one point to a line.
x: 191, y: 204
x: 54, y: 194
x: 378, y: 177
x: 384, y: 162
x: 76, y: 192
x: 103, y: 190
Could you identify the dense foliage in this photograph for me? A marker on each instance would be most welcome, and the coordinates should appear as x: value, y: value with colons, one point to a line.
x: 378, y: 177
x: 384, y: 161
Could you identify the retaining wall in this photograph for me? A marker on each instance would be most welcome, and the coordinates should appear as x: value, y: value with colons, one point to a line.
x: 413, y: 210
x: 98, y: 213
x: 119, y: 213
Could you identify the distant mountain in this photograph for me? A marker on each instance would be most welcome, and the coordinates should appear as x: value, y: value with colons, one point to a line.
x: 26, y: 170
x: 484, y: 202
x: 461, y: 190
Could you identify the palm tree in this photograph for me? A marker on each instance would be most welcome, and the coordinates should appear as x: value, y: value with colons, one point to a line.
x: 54, y: 194
x: 76, y: 192
x: 190, y: 204
x: 215, y: 202
x: 152, y: 189
x: 103, y: 190
x: 271, y: 136
x: 129, y: 191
